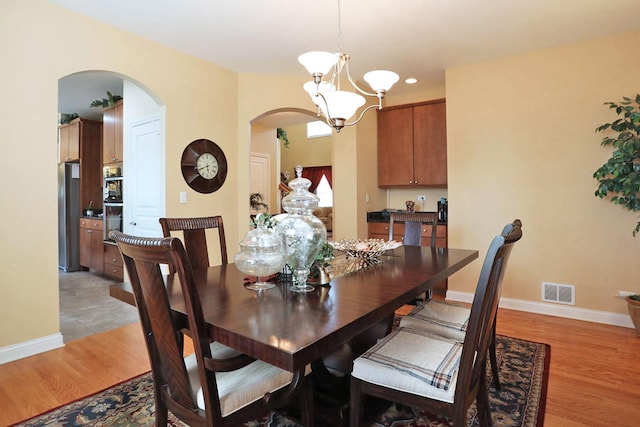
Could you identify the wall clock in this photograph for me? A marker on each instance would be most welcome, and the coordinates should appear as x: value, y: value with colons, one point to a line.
x: 204, y: 166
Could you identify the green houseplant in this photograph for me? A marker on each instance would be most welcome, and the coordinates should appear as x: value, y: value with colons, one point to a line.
x: 106, y: 102
x: 619, y: 177
x: 282, y: 136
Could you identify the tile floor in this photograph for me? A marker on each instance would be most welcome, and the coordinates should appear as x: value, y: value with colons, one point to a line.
x: 86, y: 307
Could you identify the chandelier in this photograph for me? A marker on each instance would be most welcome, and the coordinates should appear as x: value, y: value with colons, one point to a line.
x: 336, y: 105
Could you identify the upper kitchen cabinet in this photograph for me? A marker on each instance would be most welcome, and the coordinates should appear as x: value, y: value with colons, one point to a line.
x: 112, y: 139
x: 77, y: 138
x: 412, y: 145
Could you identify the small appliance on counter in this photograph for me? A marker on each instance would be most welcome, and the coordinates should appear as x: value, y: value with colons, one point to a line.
x: 442, y: 210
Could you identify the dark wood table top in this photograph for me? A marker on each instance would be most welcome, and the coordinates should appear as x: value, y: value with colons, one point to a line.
x: 290, y: 330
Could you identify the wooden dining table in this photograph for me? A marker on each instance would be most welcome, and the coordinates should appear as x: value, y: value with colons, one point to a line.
x: 290, y: 329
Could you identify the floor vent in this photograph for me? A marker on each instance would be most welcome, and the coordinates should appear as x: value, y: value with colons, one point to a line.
x: 558, y: 293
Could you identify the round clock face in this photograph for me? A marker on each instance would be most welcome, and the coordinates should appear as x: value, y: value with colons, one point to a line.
x: 207, y: 166
x: 204, y: 166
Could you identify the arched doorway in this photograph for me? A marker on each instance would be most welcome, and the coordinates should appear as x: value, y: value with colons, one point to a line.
x: 266, y: 149
x: 85, y: 304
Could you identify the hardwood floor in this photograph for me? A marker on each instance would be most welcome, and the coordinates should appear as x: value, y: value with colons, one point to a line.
x: 593, y: 377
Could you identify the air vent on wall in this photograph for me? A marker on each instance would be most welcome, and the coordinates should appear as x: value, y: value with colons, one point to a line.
x: 558, y: 293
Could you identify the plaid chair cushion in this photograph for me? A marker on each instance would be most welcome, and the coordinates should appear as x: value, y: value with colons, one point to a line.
x: 412, y: 361
x: 443, y: 318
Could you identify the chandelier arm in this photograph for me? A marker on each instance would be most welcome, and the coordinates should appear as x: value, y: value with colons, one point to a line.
x: 379, y: 107
x: 364, y: 92
x: 330, y: 121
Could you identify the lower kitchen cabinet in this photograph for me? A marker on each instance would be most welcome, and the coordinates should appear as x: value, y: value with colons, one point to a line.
x: 380, y: 230
x: 113, y: 265
x: 91, y: 244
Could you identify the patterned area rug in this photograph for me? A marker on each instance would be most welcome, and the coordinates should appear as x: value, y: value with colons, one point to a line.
x: 523, y: 366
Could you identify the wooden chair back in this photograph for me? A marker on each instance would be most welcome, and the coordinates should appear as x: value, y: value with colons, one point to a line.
x: 413, y: 223
x: 173, y: 387
x: 195, y: 239
x: 480, y: 330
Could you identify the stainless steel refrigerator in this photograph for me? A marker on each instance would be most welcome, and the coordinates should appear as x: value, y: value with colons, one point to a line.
x: 69, y: 216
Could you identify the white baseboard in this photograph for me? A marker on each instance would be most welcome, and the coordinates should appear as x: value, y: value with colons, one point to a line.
x: 559, y: 310
x: 31, y: 347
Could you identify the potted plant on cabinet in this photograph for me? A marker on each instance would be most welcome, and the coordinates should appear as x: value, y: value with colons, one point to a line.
x: 619, y: 178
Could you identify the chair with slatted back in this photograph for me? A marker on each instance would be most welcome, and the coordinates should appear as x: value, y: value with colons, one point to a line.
x: 450, y: 319
x: 414, y: 223
x: 215, y: 385
x: 195, y: 240
x: 418, y: 368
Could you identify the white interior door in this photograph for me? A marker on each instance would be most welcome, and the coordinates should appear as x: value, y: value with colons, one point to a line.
x: 260, y: 178
x: 145, y: 179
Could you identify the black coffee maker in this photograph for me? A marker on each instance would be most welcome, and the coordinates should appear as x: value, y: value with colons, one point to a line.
x: 442, y: 210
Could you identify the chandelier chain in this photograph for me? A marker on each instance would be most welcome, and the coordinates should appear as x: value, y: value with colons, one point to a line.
x: 339, y: 27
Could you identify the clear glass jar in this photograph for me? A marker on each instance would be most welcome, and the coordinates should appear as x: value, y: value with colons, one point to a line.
x: 261, y: 255
x: 302, y: 232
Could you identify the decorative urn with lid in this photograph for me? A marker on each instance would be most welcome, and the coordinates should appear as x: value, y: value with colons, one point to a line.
x: 303, y: 233
x: 261, y: 255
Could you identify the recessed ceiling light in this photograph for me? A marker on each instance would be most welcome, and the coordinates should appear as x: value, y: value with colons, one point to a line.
x: 411, y: 80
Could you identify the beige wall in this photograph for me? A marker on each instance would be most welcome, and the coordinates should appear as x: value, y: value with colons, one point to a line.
x: 521, y: 143
x: 42, y: 43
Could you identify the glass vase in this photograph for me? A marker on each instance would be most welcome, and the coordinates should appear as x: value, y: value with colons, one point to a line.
x: 303, y: 233
x: 261, y: 255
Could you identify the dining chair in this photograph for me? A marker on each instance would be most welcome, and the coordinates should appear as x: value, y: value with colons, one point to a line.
x: 195, y: 239
x: 450, y: 320
x: 413, y: 225
x: 215, y: 385
x: 418, y: 368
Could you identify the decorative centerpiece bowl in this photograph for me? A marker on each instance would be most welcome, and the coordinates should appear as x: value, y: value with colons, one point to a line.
x: 369, y: 250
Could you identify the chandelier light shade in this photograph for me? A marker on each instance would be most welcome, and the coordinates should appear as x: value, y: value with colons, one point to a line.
x: 336, y: 105
x: 381, y: 80
x: 318, y: 62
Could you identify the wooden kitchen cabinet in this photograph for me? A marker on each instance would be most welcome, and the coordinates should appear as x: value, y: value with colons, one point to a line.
x: 112, y: 134
x: 80, y: 141
x: 412, y: 145
x: 91, y: 244
x: 69, y: 142
x: 79, y: 138
x: 113, y: 265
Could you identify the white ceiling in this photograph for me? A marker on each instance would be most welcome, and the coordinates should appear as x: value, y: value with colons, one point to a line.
x: 415, y: 38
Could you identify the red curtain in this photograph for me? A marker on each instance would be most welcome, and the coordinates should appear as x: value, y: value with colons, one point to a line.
x: 315, y: 173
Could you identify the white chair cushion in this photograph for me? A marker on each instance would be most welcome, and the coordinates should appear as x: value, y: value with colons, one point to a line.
x: 443, y: 318
x: 412, y: 361
x: 241, y: 387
